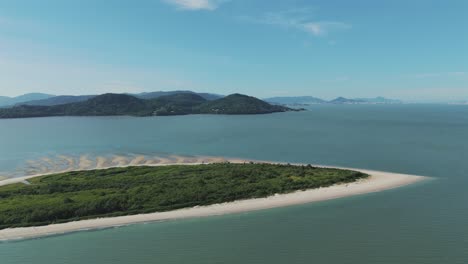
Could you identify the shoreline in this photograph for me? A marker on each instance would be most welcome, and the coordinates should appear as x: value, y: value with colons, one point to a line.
x: 7, y: 180
x: 378, y: 181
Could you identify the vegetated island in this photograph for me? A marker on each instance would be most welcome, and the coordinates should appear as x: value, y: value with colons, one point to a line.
x: 79, y: 195
x: 42, y: 205
x: 124, y: 104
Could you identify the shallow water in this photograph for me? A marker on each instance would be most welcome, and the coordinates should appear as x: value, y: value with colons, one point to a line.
x: 422, y: 223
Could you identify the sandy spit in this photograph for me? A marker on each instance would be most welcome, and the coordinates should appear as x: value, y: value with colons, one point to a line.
x: 378, y: 181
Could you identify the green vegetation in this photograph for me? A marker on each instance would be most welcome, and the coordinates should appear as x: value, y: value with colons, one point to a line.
x: 177, y: 104
x: 123, y: 191
x: 239, y: 104
x: 123, y: 104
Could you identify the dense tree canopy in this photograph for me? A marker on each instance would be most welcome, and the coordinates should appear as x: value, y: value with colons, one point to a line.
x: 122, y: 191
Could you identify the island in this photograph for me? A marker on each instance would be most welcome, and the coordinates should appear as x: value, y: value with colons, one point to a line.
x: 173, y: 104
x: 73, y: 196
x: 41, y: 205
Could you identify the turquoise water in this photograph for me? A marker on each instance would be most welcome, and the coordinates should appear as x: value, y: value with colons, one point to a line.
x: 422, y: 223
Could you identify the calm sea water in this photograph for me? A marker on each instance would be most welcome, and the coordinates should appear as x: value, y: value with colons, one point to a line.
x: 422, y: 223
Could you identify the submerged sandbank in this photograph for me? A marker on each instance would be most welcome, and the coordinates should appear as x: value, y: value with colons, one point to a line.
x: 378, y: 181
x: 47, y: 165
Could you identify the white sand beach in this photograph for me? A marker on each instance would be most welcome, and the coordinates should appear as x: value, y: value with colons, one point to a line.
x: 378, y: 181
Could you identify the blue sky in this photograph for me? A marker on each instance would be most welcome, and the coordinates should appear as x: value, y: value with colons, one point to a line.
x: 404, y: 49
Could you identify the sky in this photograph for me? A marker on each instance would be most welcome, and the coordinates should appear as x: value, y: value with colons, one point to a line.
x: 405, y: 49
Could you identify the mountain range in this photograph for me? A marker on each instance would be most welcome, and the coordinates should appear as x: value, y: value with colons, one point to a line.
x: 295, y: 100
x: 8, y: 101
x: 50, y: 100
x: 308, y: 100
x: 41, y: 99
x: 152, y: 95
x: 124, y: 104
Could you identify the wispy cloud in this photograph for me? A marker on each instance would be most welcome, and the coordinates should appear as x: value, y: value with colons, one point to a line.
x: 196, y: 4
x: 323, y: 27
x: 299, y: 19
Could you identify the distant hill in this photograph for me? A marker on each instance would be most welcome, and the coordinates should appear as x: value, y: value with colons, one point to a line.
x: 176, y: 104
x: 4, y: 100
x: 295, y: 100
x: 309, y: 100
x: 380, y: 100
x: 8, y: 101
x: 152, y: 95
x: 240, y: 104
x: 58, y: 100
x: 342, y: 100
x: 376, y: 100
x: 106, y: 104
x: 66, y: 99
x: 123, y: 104
x: 41, y: 99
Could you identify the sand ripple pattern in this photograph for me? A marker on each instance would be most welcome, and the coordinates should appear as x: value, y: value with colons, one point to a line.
x: 64, y: 163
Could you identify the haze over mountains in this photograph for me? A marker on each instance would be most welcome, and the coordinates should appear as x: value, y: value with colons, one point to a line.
x: 7, y: 101
x: 41, y: 99
x: 305, y: 100
x: 308, y: 100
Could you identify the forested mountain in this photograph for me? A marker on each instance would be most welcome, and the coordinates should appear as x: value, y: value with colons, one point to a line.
x: 67, y: 99
x: 240, y: 104
x: 124, y: 104
x: 152, y: 95
x: 58, y: 100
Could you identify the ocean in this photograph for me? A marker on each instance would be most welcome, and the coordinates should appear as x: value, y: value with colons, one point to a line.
x: 421, y: 223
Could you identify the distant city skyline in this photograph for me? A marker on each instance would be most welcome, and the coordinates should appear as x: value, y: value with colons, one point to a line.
x: 409, y: 50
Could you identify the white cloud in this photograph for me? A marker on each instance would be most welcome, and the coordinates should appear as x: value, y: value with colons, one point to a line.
x: 323, y: 27
x: 196, y: 4
x: 300, y: 19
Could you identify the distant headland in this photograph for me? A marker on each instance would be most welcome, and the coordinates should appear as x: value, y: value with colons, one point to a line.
x: 310, y: 100
x: 150, y: 104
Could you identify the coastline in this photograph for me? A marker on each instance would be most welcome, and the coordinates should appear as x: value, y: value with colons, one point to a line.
x: 378, y: 181
x: 177, y: 160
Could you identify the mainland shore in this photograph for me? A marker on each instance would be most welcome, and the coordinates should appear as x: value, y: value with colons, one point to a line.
x: 378, y: 181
